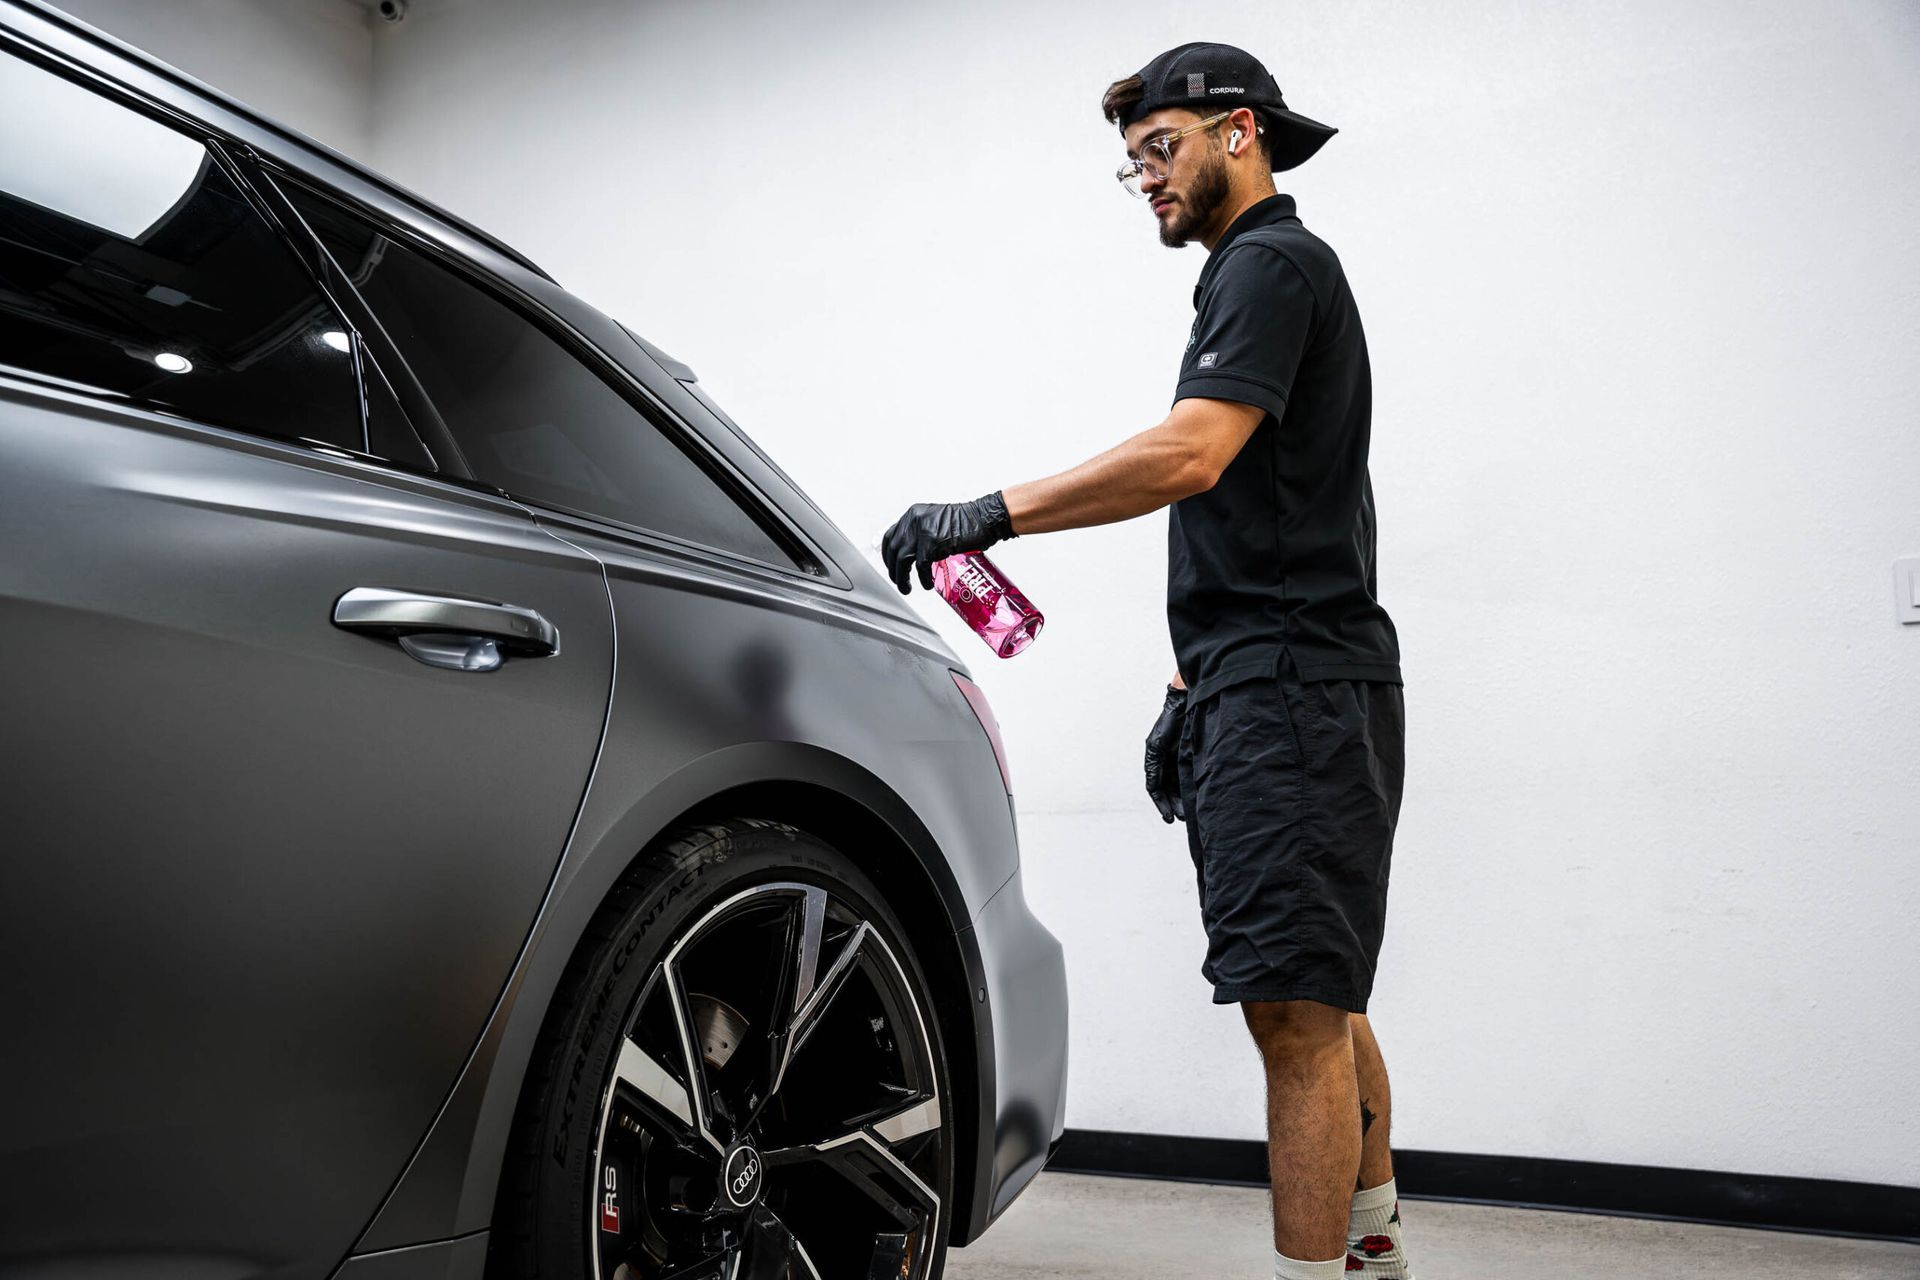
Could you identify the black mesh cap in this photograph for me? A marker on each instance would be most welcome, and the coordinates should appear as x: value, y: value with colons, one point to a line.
x: 1210, y: 78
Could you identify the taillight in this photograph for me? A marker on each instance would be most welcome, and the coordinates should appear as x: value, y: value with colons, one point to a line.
x: 984, y: 713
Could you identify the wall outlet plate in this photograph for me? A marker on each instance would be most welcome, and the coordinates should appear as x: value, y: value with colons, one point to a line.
x: 1906, y: 590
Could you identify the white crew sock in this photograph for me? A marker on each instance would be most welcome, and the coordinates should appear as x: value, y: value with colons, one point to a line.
x: 1285, y: 1268
x: 1373, y: 1235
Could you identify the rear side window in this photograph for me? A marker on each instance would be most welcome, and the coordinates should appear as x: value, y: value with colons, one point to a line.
x: 529, y: 416
x: 132, y: 266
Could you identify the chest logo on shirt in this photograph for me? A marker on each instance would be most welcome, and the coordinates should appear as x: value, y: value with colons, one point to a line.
x: 1207, y: 359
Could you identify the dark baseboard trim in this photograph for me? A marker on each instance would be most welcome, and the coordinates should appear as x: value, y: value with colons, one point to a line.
x: 1810, y: 1205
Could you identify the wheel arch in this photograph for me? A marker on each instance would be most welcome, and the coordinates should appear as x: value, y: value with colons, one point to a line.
x: 448, y: 1187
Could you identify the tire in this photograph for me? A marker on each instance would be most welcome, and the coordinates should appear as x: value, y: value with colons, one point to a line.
x: 741, y: 1077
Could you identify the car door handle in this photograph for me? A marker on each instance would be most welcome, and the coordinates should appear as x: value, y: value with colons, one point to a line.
x: 448, y: 631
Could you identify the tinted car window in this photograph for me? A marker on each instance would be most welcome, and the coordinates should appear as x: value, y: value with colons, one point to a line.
x: 389, y: 434
x: 529, y: 416
x: 132, y: 266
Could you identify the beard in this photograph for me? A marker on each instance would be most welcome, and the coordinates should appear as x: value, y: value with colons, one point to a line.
x: 1195, y: 211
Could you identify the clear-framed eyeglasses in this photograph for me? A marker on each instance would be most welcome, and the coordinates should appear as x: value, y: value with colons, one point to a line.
x: 1156, y: 155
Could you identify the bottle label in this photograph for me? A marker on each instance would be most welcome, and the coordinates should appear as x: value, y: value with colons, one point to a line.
x: 975, y: 584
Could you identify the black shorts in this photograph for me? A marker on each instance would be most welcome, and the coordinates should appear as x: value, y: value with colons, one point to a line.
x: 1292, y: 791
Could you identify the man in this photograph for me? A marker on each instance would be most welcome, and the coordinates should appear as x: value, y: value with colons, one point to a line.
x: 1280, y: 743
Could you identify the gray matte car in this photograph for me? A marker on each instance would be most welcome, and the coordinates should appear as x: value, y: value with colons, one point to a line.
x: 465, y: 811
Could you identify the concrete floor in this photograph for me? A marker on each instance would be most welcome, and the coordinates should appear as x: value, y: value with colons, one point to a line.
x: 1123, y: 1228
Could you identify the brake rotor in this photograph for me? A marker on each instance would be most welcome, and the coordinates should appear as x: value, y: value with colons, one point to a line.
x: 721, y: 1028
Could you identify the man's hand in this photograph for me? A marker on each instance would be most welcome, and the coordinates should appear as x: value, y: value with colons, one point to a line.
x: 931, y: 531
x: 1163, y: 757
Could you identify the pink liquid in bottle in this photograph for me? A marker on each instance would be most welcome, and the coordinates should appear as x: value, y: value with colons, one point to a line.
x: 987, y: 601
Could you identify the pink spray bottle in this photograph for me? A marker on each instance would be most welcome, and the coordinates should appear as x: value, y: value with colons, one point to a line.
x: 986, y: 600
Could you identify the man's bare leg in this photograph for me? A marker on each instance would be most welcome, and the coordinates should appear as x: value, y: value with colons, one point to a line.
x: 1376, y: 1251
x: 1376, y: 1106
x: 1313, y: 1122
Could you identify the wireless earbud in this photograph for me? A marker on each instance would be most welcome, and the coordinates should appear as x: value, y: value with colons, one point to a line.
x: 1233, y: 140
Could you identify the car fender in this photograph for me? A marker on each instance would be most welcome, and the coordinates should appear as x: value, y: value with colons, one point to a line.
x: 448, y: 1187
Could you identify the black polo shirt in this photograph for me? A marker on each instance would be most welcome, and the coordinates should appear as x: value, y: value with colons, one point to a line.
x: 1279, y: 555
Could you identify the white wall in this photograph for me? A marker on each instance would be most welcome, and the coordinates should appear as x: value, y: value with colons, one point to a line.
x: 1641, y: 282
x: 306, y: 63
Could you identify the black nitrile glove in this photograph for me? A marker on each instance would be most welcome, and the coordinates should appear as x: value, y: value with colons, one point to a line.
x: 932, y: 531
x: 1163, y: 757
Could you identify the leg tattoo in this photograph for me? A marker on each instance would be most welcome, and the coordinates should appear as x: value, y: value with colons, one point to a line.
x: 1366, y: 1122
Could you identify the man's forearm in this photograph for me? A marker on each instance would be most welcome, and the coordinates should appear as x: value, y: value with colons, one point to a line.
x: 1141, y: 474
x: 1136, y: 476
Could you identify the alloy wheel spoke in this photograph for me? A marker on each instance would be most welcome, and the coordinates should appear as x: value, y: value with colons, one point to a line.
x: 812, y: 919
x: 636, y: 1069
x: 804, y: 1268
x: 773, y: 1252
x: 808, y: 1015
x: 908, y: 1122
x: 807, y: 935
x: 876, y: 1172
x: 690, y: 1050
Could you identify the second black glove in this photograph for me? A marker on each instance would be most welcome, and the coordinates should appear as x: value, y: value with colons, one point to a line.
x: 1163, y: 756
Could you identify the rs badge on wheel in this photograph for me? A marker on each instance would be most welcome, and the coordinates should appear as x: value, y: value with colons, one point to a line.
x: 610, y: 1201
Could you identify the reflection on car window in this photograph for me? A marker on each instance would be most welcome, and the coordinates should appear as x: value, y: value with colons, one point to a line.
x: 528, y: 415
x: 132, y: 266
x: 389, y: 434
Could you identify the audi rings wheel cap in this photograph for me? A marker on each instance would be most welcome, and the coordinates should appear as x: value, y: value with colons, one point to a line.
x: 740, y: 1176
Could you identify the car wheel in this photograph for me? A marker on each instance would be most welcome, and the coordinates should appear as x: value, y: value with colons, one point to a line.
x: 741, y: 1078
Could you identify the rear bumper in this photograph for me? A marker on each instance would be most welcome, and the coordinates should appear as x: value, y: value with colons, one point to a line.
x: 1025, y: 976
